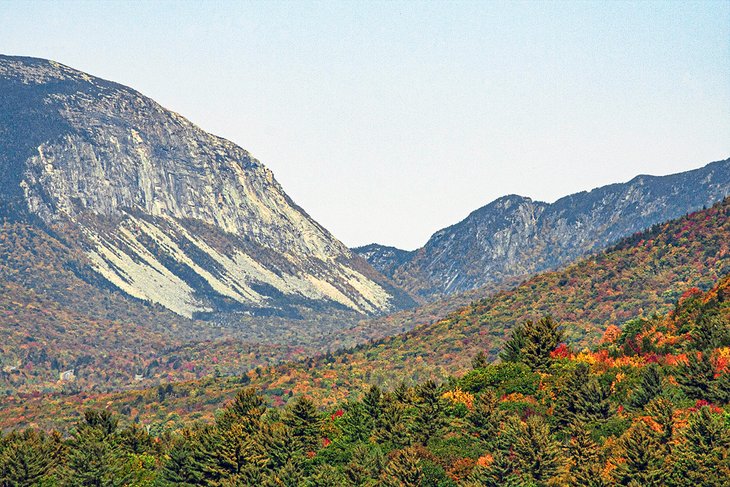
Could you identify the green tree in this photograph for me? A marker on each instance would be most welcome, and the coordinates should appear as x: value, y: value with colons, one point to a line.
x: 703, y: 456
x: 649, y: 387
x: 305, y: 423
x: 403, y: 470
x: 642, y: 460
x: 537, y: 454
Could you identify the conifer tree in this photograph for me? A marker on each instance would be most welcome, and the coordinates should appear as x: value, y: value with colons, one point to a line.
x: 512, y: 348
x: 28, y: 457
x: 697, y: 377
x: 95, y: 458
x: 584, y: 464
x: 392, y: 426
x: 429, y: 417
x: 480, y: 360
x: 365, y: 465
x: 537, y: 453
x: 356, y: 424
x: 649, y: 387
x: 540, y: 339
x: 500, y: 472
x: 703, y: 457
x: 662, y: 411
x: 305, y: 423
x: 373, y: 402
x: 642, y: 459
x: 403, y: 470
x: 485, y: 416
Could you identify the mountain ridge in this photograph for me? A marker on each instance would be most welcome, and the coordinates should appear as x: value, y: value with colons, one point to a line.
x: 516, y: 235
x: 165, y: 211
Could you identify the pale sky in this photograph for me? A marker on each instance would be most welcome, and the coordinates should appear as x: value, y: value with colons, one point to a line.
x: 387, y: 121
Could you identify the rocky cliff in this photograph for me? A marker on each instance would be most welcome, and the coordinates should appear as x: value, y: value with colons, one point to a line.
x: 164, y: 211
x: 516, y: 236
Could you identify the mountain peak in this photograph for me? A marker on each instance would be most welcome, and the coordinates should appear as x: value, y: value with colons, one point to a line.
x: 166, y: 212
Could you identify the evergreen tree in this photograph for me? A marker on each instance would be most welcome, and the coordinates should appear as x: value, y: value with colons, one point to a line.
x: 649, y: 387
x: 537, y: 454
x: 584, y: 464
x: 712, y: 331
x: 28, y: 458
x: 583, y: 399
x: 697, y: 377
x: 540, y: 339
x: 305, y: 423
x: 403, y: 470
x: 429, y: 417
x: 643, y: 460
x: 182, y: 467
x: 480, y: 360
x: 485, y: 416
x: 392, y: 426
x: 501, y: 472
x: 95, y: 458
x: 365, y: 465
x: 373, y: 402
x: 356, y: 424
x: 703, y: 457
x: 662, y: 411
x: 246, y: 409
x: 512, y: 348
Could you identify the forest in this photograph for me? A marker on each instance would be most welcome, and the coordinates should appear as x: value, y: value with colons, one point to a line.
x: 648, y: 406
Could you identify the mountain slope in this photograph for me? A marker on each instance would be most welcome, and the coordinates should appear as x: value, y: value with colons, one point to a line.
x: 164, y: 211
x: 644, y: 274
x: 515, y: 236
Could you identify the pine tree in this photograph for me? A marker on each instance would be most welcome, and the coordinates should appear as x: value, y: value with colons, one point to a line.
x: 305, y: 423
x: 429, y: 417
x: 703, y: 457
x: 712, y: 331
x: 486, y: 416
x: 365, y: 465
x: 28, y: 457
x: 540, y: 339
x: 697, y: 377
x: 537, y: 453
x: 584, y: 464
x: 392, y: 426
x: 583, y: 399
x: 643, y: 461
x: 373, y: 402
x: 649, y: 387
x: 512, y: 348
x: 356, y: 424
x: 245, y: 409
x: 662, y: 411
x: 501, y: 472
x: 480, y: 360
x: 94, y: 458
x: 403, y: 470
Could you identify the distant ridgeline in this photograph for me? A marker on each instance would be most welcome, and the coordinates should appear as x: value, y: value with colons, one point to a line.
x: 648, y: 406
x: 515, y: 236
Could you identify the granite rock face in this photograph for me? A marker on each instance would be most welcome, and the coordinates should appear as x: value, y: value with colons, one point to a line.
x: 163, y: 210
x: 515, y: 236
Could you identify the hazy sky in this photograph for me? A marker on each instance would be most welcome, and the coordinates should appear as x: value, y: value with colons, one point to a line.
x: 388, y: 121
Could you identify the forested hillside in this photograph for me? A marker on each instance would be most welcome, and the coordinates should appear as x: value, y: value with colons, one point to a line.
x: 643, y: 275
x: 648, y: 406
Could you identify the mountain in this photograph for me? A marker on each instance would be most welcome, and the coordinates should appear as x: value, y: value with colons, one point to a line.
x: 383, y: 258
x: 644, y: 274
x: 516, y: 236
x: 163, y: 211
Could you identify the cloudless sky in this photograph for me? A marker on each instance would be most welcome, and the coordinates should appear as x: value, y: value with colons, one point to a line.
x: 387, y: 121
